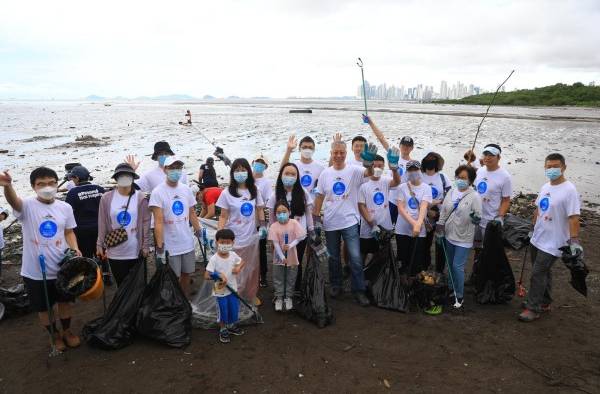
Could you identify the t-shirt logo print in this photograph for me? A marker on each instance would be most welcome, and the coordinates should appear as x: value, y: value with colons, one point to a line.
x: 378, y: 198
x: 545, y: 203
x: 123, y: 218
x: 177, y: 207
x: 48, y: 227
x: 306, y: 180
x: 339, y: 187
x: 434, y: 192
x: 413, y: 203
x: 246, y: 209
x: 482, y: 186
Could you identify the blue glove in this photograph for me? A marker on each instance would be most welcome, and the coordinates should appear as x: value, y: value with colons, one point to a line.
x: 575, y: 246
x: 376, y: 232
x: 368, y: 155
x: 393, y: 156
x: 318, y: 225
x: 314, y: 238
x: 161, y: 256
x: 215, y: 276
x: 365, y: 119
x: 262, y: 232
x: 474, y: 218
x: 500, y: 220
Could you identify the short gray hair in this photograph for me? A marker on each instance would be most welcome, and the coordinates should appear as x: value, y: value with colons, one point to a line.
x: 334, y: 143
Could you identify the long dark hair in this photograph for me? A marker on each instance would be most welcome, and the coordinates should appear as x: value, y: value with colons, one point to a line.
x: 298, y: 205
x: 233, y: 185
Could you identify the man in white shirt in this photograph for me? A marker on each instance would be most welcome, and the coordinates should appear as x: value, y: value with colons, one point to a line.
x: 172, y: 204
x: 556, y: 224
x: 47, y: 226
x: 338, y: 187
x: 309, y: 168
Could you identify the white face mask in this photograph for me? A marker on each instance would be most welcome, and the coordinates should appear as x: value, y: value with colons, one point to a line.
x: 377, y: 172
x: 124, y: 181
x: 46, y: 193
x: 224, y: 248
x: 307, y: 153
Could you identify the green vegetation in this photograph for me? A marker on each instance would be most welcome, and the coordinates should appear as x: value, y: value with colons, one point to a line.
x: 555, y: 95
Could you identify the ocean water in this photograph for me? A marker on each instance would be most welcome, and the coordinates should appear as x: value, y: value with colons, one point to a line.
x: 43, y: 133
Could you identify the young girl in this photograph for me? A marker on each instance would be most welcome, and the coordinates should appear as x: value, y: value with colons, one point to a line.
x: 285, y: 234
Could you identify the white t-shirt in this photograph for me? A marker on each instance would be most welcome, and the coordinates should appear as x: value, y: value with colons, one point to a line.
x: 492, y: 187
x: 2, y: 210
x: 340, y: 191
x: 309, y: 174
x: 151, y: 179
x: 44, y: 228
x: 129, y: 249
x: 175, y: 203
x: 70, y: 185
x: 225, y: 267
x: 354, y: 162
x: 242, y: 213
x: 265, y: 187
x: 375, y: 195
x: 288, y: 197
x: 437, y: 186
x: 411, y: 204
x: 555, y: 204
x: 403, y: 179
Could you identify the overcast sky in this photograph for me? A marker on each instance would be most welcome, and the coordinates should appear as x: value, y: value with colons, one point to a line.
x: 280, y: 48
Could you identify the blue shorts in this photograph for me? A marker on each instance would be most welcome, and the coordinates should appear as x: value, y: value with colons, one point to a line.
x: 229, y: 307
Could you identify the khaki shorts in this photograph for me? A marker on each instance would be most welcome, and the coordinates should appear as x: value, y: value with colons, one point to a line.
x: 183, y: 263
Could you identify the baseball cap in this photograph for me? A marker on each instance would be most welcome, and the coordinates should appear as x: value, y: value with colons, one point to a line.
x: 169, y: 161
x: 492, y: 149
x: 406, y: 140
x: 413, y: 164
x: 79, y: 172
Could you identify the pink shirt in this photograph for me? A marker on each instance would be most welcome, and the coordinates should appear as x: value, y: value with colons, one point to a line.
x: 294, y: 231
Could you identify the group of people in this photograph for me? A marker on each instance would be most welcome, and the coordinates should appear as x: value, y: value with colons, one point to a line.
x: 350, y: 200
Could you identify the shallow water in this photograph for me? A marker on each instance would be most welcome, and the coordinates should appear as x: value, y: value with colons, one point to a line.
x: 248, y: 128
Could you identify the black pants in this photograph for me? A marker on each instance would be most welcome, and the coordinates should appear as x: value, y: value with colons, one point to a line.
x: 86, y: 240
x: 121, y: 268
x: 393, y: 212
x: 262, y: 249
x: 406, y: 247
x: 300, y: 249
x: 440, y: 263
x: 37, y: 295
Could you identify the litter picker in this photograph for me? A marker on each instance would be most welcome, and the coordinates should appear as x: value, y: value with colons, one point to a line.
x: 285, y: 268
x: 359, y: 63
x: 521, y: 290
x: 457, y: 304
x: 53, y: 350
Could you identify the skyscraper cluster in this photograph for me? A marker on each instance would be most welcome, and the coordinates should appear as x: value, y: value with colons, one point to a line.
x: 419, y: 92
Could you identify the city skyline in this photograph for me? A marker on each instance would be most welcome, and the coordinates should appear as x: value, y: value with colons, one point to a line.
x: 420, y: 92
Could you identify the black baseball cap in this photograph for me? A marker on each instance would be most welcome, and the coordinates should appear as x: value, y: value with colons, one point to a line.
x: 124, y: 168
x: 406, y: 140
x: 413, y: 164
x: 80, y: 172
x: 161, y: 146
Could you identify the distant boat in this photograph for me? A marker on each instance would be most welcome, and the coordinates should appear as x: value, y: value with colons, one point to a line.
x: 300, y: 111
x: 107, y: 104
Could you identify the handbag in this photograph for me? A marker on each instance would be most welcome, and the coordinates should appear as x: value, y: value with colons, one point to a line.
x: 119, y: 235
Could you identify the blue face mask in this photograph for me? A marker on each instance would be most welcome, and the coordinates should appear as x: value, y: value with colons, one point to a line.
x: 240, y: 176
x: 174, y: 175
x: 282, y: 217
x: 288, y: 181
x: 259, y: 167
x: 553, y: 173
x: 414, y: 176
x: 461, y: 184
x: 161, y: 160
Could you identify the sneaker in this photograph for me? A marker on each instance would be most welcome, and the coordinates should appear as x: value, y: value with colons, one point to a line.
x: 235, y: 330
x: 58, y: 342
x: 335, y: 292
x: 70, y: 339
x: 434, y: 310
x: 288, y: 304
x: 224, y: 336
x: 278, y: 304
x: 263, y: 282
x: 528, y: 316
x: 361, y: 298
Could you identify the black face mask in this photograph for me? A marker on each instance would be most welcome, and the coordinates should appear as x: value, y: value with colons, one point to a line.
x: 429, y: 165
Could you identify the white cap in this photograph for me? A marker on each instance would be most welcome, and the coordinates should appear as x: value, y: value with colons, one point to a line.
x: 170, y: 160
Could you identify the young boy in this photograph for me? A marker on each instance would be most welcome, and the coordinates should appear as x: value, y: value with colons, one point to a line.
x: 223, y: 268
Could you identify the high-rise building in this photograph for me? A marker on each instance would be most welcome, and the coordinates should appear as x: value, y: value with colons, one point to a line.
x: 444, y: 90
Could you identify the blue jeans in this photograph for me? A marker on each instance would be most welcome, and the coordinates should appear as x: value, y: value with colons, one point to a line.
x: 350, y: 236
x: 457, y: 257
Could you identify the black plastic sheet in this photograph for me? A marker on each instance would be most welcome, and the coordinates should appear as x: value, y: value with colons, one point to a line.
x: 165, y: 314
x: 385, y: 287
x: 76, y: 276
x: 116, y: 329
x: 14, y: 300
x: 579, y: 271
x: 312, y: 303
x: 516, y: 231
x: 492, y: 275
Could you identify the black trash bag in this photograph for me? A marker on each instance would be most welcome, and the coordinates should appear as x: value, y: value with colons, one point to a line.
x: 516, y: 231
x: 579, y: 271
x: 493, y: 277
x: 165, y: 314
x: 116, y: 329
x: 312, y: 303
x: 15, y: 301
x: 385, y: 287
x: 76, y: 276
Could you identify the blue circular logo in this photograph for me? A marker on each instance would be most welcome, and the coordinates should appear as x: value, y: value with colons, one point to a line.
x: 339, y: 188
x: 400, y: 170
x: 306, y: 180
x: 177, y: 207
x: 246, y: 209
x: 124, y: 218
x: 48, y: 229
x: 413, y: 203
x: 482, y: 187
x: 378, y: 198
x: 544, y: 204
x: 434, y: 192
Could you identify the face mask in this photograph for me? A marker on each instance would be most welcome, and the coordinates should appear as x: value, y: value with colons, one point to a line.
x: 377, y: 172
x: 553, y: 173
x: 161, y: 160
x: 461, y: 184
x: 224, y: 248
x: 307, y: 153
x: 283, y: 217
x: 429, y: 164
x: 174, y: 175
x: 240, y: 176
x: 46, y: 193
x: 258, y: 167
x: 124, y: 181
x: 288, y: 181
x: 414, y: 176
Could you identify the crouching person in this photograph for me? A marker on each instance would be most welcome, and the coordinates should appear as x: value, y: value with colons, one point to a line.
x: 47, y: 231
x: 223, y: 267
